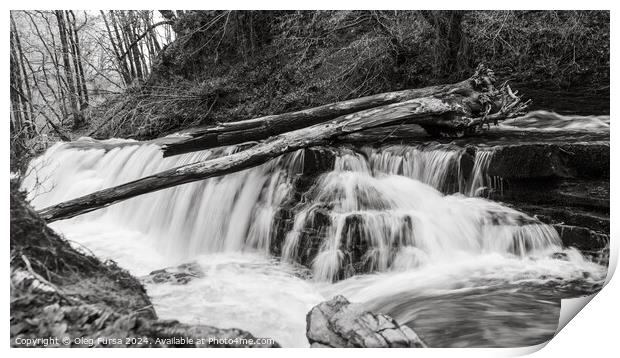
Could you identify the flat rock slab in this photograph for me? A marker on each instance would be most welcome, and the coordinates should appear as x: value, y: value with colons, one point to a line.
x: 545, y: 160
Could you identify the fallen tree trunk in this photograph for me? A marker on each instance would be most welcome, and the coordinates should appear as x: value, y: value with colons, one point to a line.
x: 456, y: 111
x: 232, y: 133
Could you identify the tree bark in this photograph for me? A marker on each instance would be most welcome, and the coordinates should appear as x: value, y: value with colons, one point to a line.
x: 74, y: 58
x: 30, y: 122
x: 17, y: 114
x: 120, y: 42
x: 127, y: 33
x: 122, y: 65
x: 71, y: 88
x: 53, y: 53
x: 79, y: 68
x: 232, y: 133
x: 148, y: 31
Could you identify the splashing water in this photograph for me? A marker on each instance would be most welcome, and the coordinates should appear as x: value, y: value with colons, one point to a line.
x: 387, y: 213
x: 379, y: 220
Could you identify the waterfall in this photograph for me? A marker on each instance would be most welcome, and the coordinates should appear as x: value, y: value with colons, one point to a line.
x: 377, y: 209
x: 402, y: 229
x: 372, y: 218
x: 230, y: 213
x: 480, y: 180
x: 435, y: 165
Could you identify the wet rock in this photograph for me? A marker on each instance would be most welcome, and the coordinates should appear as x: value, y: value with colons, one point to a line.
x: 282, y: 224
x: 578, y: 209
x: 582, y: 238
x: 585, y: 194
x: 354, y: 244
x: 568, y: 215
x: 359, y: 255
x: 560, y: 183
x: 96, y: 325
x: 466, y: 162
x: 587, y: 160
x: 171, y: 334
x: 337, y: 323
x: 314, y: 233
x: 318, y: 160
x: 560, y: 256
x: 546, y: 160
x: 181, y: 274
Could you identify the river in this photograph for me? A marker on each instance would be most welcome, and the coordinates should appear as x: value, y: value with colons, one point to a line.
x: 400, y: 228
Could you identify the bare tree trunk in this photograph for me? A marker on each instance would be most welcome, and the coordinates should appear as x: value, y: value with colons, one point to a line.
x: 71, y: 88
x: 63, y: 136
x: 43, y: 63
x: 61, y: 83
x: 153, y: 35
x: 122, y: 65
x: 126, y: 33
x: 129, y: 38
x: 119, y: 39
x: 17, y: 120
x: 74, y: 58
x: 78, y: 60
x: 29, y: 124
x: 19, y: 125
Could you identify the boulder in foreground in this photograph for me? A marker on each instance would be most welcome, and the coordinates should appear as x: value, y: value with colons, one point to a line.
x: 337, y: 323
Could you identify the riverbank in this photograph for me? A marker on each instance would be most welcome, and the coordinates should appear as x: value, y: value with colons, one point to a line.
x: 69, y: 297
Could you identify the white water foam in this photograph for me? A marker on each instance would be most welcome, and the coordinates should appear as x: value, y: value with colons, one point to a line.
x: 553, y: 122
x: 416, y: 237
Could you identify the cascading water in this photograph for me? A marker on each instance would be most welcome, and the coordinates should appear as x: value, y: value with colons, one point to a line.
x: 435, y: 165
x: 220, y: 214
x: 479, y: 178
x: 379, y: 221
x: 386, y: 213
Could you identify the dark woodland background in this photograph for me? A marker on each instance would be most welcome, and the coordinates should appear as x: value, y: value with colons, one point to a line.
x: 143, y: 74
x: 149, y: 73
